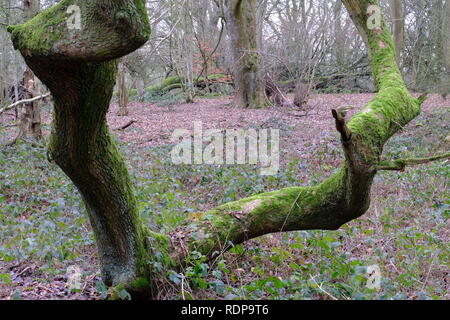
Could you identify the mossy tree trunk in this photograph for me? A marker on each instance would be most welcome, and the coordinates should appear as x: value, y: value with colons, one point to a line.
x: 79, y: 66
x: 241, y: 18
x: 81, y: 80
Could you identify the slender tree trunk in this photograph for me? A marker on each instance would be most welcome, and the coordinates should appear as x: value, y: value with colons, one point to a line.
x: 3, y: 88
x: 445, y: 91
x: 446, y: 34
x: 419, y: 41
x: 398, y: 18
x: 30, y: 118
x: 140, y: 88
x: 338, y: 33
x: 82, y: 82
x: 242, y: 25
x: 123, y: 92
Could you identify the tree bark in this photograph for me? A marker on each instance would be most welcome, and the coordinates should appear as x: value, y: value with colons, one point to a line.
x: 82, y: 80
x: 241, y: 18
x: 30, y: 118
x: 398, y: 21
x: 140, y: 88
x: 123, y: 93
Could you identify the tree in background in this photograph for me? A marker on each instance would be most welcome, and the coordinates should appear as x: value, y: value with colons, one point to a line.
x: 241, y: 19
x: 295, y: 46
x: 123, y: 91
x: 398, y: 21
x: 446, y: 46
x: 30, y: 117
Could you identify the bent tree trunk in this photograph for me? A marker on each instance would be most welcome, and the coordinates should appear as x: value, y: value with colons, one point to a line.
x: 79, y: 67
x: 241, y: 17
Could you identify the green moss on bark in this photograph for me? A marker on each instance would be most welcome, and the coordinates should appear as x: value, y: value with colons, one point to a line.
x: 39, y: 34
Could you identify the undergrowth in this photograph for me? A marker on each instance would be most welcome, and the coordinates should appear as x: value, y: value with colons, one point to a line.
x: 405, y: 233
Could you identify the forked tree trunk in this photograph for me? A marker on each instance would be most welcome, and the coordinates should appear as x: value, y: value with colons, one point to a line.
x: 82, y: 82
x: 241, y: 17
x: 302, y: 94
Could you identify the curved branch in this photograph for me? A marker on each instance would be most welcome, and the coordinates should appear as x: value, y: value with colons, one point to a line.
x: 401, y: 164
x: 341, y: 198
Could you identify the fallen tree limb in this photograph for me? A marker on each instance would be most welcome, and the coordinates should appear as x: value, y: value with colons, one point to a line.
x: 11, y: 125
x: 18, y: 103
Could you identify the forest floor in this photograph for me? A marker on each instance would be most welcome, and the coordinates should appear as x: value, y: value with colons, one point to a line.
x: 44, y: 228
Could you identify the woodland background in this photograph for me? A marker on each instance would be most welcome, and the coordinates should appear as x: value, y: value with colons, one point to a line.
x: 310, y: 49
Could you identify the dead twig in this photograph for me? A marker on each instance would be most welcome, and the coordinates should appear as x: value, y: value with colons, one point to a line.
x: 15, y: 104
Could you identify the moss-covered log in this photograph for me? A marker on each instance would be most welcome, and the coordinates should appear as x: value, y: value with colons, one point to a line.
x: 80, y: 72
x: 174, y: 82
